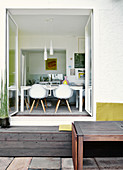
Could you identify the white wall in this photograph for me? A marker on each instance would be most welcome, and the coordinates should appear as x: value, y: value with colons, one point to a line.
x: 108, y: 40
x: 68, y: 43
x: 37, y: 63
x: 110, y: 81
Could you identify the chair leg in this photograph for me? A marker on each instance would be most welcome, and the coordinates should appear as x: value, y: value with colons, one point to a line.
x: 37, y: 104
x: 43, y: 105
x: 32, y: 106
x: 68, y: 106
x: 26, y: 104
x: 45, y: 102
x: 57, y: 105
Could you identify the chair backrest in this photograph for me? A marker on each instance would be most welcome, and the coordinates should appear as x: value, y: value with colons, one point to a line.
x: 63, y: 92
x: 37, y: 92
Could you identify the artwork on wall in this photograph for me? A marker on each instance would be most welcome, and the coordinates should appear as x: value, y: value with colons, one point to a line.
x: 81, y: 74
x: 72, y: 72
x: 79, y: 60
x: 51, y: 64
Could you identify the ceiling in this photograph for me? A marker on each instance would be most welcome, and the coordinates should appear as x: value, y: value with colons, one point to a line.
x: 51, y: 22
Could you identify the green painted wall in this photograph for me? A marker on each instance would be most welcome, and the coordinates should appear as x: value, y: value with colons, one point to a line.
x: 109, y: 111
x: 11, y: 67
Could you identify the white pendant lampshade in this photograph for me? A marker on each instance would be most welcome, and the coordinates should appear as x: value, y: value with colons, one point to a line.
x: 51, y: 48
x: 45, y: 53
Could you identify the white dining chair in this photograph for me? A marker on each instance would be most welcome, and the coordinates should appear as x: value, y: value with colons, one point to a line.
x: 38, y: 92
x: 63, y: 92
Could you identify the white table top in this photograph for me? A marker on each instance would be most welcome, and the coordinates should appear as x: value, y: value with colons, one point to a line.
x: 52, y: 87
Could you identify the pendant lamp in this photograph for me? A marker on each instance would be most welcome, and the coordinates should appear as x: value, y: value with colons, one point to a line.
x: 45, y: 53
x: 51, y: 47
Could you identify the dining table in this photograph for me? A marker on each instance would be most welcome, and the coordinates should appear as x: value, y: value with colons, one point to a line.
x: 78, y: 88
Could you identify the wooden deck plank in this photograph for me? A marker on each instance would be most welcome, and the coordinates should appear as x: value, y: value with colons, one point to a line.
x: 45, y: 137
x: 36, y: 136
x: 34, y: 144
x: 28, y: 129
x: 20, y: 163
x: 53, y: 152
x: 4, y: 162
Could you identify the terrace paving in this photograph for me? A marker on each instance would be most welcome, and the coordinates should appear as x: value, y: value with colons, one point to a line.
x: 51, y: 163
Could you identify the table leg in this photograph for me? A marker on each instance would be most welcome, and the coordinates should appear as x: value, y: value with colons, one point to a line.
x: 80, y: 100
x: 80, y: 153
x: 74, y: 147
x: 22, y: 100
x: 77, y: 104
x: 28, y: 98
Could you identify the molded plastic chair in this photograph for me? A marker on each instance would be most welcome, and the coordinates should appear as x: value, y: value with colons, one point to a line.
x: 63, y: 92
x: 38, y: 92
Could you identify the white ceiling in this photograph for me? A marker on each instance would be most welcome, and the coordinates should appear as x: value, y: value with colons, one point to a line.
x: 51, y: 22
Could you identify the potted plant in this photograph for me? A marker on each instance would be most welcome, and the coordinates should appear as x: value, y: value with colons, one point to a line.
x: 4, y: 116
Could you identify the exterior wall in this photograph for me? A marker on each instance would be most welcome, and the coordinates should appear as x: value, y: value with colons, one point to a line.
x: 111, y: 54
x: 108, y: 51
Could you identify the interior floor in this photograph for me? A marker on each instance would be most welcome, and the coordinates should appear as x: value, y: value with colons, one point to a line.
x: 50, y: 110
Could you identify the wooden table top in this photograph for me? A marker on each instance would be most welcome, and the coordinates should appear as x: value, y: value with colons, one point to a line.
x: 92, y: 131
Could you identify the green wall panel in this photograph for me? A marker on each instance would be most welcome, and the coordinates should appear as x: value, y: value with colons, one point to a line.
x: 11, y: 67
x: 109, y: 111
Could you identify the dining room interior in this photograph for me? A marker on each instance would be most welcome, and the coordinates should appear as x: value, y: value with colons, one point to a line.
x: 51, y: 54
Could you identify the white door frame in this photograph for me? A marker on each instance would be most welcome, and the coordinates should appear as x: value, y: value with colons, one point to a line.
x: 16, y: 54
x: 88, y: 88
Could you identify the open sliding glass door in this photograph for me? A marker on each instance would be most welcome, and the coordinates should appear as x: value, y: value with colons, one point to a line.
x: 12, y: 64
x: 88, y: 64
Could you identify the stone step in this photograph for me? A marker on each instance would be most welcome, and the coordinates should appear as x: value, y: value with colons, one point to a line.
x: 110, y: 163
x: 20, y: 163
x: 45, y: 163
x: 67, y: 164
x: 4, y: 162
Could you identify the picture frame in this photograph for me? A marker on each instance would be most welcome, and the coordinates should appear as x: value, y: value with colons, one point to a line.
x: 51, y: 64
x: 79, y: 60
x: 81, y: 73
x: 72, y: 72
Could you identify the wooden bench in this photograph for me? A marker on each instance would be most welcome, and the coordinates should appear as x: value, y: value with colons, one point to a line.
x: 92, y: 131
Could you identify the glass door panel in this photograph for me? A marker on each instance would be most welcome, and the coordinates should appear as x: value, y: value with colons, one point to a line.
x: 88, y: 65
x: 12, y: 64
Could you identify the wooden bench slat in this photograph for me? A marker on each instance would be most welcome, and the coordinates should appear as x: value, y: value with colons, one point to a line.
x: 34, y: 145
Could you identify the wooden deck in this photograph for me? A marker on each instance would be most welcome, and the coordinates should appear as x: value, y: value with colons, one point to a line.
x: 35, y: 141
